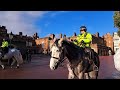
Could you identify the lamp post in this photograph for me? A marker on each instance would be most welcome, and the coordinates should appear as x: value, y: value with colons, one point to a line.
x: 10, y: 37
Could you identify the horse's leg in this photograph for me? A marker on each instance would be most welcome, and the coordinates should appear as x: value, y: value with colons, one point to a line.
x: 70, y: 74
x: 87, y: 76
x: 17, y: 65
x: 81, y: 75
x: 3, y: 67
x: 93, y: 74
x: 13, y: 62
x: 8, y: 61
x: 17, y: 62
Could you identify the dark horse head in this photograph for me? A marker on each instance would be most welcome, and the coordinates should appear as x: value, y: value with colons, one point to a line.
x: 76, y: 58
x: 62, y: 48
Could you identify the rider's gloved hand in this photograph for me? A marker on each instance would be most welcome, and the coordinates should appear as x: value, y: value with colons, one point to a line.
x: 75, y: 40
x: 82, y: 41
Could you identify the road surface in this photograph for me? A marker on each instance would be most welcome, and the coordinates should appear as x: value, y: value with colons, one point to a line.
x: 38, y: 68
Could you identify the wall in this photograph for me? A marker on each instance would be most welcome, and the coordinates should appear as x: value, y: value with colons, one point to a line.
x: 44, y: 42
x: 109, y: 41
x: 116, y: 40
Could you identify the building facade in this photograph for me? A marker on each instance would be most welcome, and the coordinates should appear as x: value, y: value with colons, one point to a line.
x: 108, y: 39
x: 44, y: 43
x: 116, y: 40
x: 101, y: 45
x: 19, y: 41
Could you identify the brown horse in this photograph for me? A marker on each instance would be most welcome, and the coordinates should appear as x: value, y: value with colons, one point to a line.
x: 78, y: 65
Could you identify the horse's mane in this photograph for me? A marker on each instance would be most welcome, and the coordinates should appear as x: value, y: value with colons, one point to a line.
x: 71, y: 44
x: 73, y: 49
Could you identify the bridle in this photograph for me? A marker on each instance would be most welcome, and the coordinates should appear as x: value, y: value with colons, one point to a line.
x: 62, y: 60
x: 55, y: 57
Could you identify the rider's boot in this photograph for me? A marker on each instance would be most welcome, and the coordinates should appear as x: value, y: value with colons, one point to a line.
x: 91, y: 61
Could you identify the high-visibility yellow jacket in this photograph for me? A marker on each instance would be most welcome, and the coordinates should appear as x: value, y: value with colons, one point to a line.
x: 86, y: 37
x: 4, y: 44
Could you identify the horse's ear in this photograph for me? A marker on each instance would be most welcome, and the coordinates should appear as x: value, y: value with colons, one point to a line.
x: 54, y: 39
x: 60, y: 42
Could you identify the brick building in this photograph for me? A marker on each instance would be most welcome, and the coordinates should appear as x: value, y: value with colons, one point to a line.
x: 44, y: 42
x: 3, y: 32
x: 109, y: 41
x: 101, y: 45
x: 116, y: 40
x: 20, y: 41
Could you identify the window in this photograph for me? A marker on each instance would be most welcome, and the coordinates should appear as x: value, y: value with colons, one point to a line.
x: 117, y: 49
x: 26, y: 43
x: 43, y: 44
x: 116, y: 39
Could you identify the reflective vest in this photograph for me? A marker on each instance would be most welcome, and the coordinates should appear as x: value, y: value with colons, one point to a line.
x: 4, y: 44
x: 86, y: 37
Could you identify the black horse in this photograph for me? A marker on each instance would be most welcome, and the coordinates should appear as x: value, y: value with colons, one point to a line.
x: 78, y: 65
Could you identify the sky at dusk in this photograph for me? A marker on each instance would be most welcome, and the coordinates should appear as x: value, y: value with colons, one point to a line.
x: 56, y: 22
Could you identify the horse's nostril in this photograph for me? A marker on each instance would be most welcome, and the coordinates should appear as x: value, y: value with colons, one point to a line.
x: 53, y: 68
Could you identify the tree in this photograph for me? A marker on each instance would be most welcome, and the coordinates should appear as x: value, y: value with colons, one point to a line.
x: 117, y: 21
x: 118, y: 32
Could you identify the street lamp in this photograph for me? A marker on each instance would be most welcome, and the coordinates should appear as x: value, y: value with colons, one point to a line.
x: 10, y: 37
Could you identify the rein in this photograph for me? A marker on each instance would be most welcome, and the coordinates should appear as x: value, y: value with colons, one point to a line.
x: 55, y: 57
x: 62, y: 59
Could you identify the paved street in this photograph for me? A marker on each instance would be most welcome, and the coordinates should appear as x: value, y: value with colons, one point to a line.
x: 38, y: 68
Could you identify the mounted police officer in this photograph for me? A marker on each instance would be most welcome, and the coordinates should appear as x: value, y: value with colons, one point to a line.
x: 84, y: 40
x: 4, y: 47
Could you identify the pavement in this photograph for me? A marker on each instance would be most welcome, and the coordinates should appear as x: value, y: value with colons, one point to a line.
x: 38, y: 68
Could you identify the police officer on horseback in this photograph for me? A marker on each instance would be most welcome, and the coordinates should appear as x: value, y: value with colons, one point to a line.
x: 4, y: 47
x: 84, y: 40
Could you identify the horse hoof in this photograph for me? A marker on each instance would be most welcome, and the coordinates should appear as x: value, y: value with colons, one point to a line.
x: 3, y: 68
x: 17, y: 67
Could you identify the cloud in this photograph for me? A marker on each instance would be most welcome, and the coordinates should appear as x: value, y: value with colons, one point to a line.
x: 57, y: 36
x: 21, y: 21
x: 46, y: 24
x: 47, y: 35
x: 57, y: 13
